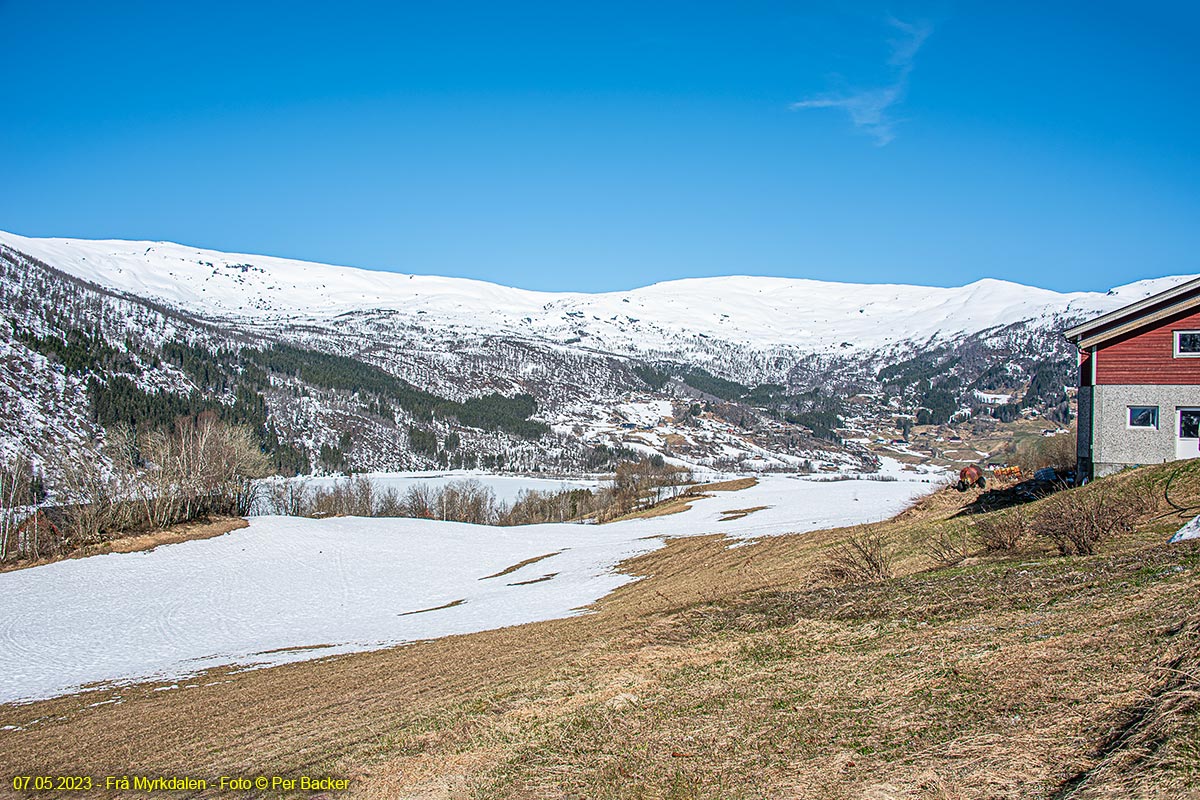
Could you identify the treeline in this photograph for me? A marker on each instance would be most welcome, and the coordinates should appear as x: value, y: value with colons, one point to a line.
x: 696, y: 377
x: 936, y: 405
x: 458, y: 501
x: 813, y: 410
x: 635, y: 486
x: 79, y: 351
x: 117, y: 399
x: 708, y: 383
x: 603, y: 457
x: 1047, y: 382
x: 821, y: 422
x: 146, y: 480
x: 497, y: 412
x: 929, y: 383
x: 208, y: 370
x: 654, y: 378
x: 928, y: 367
x: 493, y: 412
x: 343, y: 373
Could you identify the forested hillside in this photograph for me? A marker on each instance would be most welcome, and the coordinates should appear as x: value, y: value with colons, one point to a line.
x: 431, y: 384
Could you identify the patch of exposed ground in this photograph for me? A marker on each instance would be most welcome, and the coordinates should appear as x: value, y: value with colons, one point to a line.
x: 684, y: 501
x: 548, y: 576
x: 674, y: 505
x: 451, y: 604
x: 519, y: 565
x: 731, y: 673
x: 735, y: 485
x: 738, y: 513
x: 298, y: 648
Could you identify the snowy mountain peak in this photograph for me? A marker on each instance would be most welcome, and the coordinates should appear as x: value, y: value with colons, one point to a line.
x: 758, y: 312
x: 338, y: 366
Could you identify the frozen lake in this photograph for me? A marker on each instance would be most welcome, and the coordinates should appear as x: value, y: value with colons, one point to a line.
x: 507, y: 488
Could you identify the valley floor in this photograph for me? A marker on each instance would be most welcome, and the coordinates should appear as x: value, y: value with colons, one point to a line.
x: 730, y: 672
x: 290, y: 588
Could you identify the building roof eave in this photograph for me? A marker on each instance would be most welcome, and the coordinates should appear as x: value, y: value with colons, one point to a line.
x: 1106, y: 326
x: 1084, y: 342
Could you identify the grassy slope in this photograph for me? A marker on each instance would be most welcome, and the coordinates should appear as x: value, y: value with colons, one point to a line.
x: 733, y: 673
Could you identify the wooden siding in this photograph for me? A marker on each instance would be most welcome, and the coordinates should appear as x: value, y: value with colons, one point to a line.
x: 1148, y: 356
x: 1085, y: 368
x: 1119, y: 319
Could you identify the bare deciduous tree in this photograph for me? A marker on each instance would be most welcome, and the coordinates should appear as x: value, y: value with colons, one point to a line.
x: 16, y: 482
x: 201, y: 467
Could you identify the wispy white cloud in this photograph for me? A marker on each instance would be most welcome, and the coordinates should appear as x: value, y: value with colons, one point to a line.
x: 869, y: 108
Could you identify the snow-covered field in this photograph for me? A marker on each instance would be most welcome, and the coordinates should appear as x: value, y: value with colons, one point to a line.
x: 289, y: 589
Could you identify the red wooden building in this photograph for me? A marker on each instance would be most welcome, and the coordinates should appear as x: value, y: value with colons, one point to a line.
x: 1139, y: 382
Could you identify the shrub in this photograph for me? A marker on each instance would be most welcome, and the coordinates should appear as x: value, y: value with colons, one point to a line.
x: 389, y: 504
x: 533, y: 507
x: 1005, y: 531
x: 1076, y: 520
x: 1046, y: 451
x: 202, y: 466
x: 468, y: 501
x: 636, y: 485
x: 352, y: 497
x: 419, y: 501
x: 85, y: 491
x: 859, y: 559
x: 287, y: 497
x: 948, y: 548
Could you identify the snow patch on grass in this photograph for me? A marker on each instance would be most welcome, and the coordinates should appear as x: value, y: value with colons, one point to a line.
x: 289, y: 589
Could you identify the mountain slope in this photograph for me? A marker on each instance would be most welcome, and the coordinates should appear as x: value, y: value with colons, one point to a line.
x: 82, y: 358
x: 341, y: 368
x: 810, y: 316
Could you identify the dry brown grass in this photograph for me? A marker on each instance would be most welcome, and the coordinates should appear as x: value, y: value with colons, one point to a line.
x: 684, y: 501
x: 674, y: 505
x: 187, y: 531
x: 730, y: 673
x: 511, y: 569
x: 451, y: 604
x: 863, y: 557
x: 737, y: 513
x: 735, y: 485
x: 1004, y: 531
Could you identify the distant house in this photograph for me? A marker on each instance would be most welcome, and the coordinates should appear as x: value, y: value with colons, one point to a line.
x: 1139, y: 383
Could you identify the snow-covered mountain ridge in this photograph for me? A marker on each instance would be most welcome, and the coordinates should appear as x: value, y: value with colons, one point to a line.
x: 328, y: 364
x: 759, y: 312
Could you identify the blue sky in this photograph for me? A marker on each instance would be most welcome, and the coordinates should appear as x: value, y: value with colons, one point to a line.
x: 598, y: 146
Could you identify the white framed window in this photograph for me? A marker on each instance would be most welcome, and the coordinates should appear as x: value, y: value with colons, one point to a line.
x: 1143, y: 417
x: 1187, y: 344
x: 1189, y: 423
